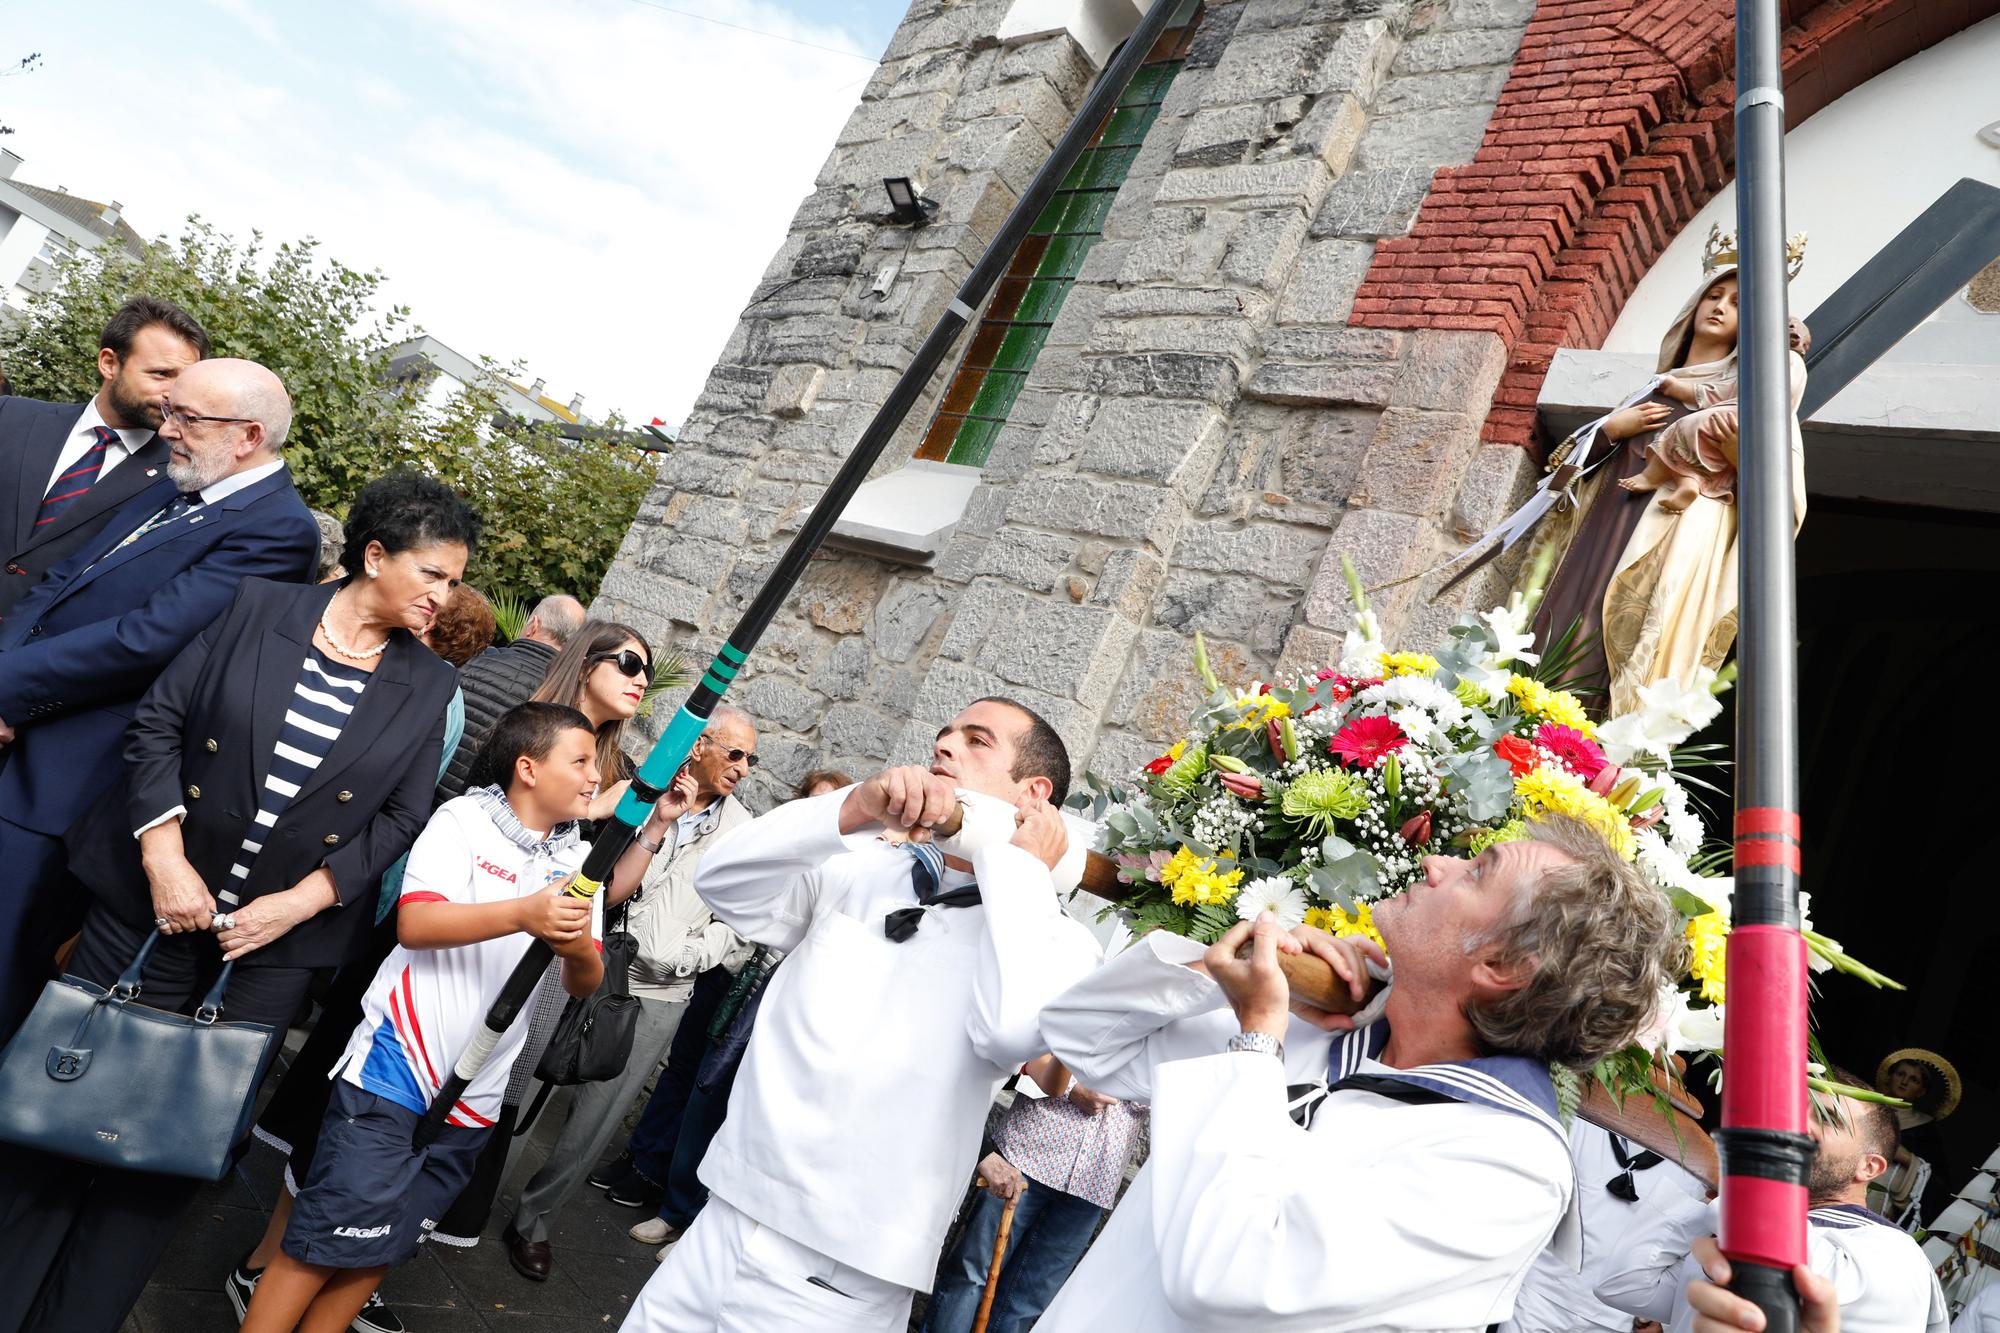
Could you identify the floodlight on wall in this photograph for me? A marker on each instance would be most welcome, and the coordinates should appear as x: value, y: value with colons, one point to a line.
x: 907, y: 204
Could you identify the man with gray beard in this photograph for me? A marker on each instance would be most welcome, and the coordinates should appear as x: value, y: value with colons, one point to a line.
x: 78, y: 652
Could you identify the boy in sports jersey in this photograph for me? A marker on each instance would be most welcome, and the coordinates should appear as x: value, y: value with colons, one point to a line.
x: 490, y: 866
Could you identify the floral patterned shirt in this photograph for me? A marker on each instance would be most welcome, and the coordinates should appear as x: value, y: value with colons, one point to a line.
x: 1054, y: 1143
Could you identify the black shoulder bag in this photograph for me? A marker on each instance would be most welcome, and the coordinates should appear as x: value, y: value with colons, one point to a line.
x: 593, y: 1038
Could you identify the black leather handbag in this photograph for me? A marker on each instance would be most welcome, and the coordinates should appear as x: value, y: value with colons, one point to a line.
x: 593, y: 1038
x: 94, y: 1076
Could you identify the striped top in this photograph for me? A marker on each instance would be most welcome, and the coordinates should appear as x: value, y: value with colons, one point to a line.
x: 321, y: 702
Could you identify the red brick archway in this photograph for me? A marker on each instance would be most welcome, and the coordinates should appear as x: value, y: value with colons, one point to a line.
x: 1615, y: 127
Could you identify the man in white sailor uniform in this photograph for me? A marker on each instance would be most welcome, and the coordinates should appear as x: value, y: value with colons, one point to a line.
x: 1433, y: 1171
x: 911, y: 990
x: 1879, y: 1273
x: 1612, y: 1175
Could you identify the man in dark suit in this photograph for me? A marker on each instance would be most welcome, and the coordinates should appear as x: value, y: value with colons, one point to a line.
x: 64, y: 469
x: 80, y: 650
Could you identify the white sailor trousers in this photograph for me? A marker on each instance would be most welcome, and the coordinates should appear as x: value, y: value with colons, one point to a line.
x: 729, y: 1274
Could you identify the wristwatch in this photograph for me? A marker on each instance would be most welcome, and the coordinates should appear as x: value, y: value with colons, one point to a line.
x: 1258, y: 1041
x: 654, y: 847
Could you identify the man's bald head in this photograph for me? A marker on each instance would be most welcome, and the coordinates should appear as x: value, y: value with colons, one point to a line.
x: 229, y: 415
x: 555, y: 618
x: 254, y: 390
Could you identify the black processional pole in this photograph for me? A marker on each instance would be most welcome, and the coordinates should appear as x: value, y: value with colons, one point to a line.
x: 671, y: 751
x: 1764, y: 1148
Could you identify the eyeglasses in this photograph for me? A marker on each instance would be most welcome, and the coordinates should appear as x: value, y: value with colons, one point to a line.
x: 747, y: 758
x: 187, y: 418
x: 627, y: 661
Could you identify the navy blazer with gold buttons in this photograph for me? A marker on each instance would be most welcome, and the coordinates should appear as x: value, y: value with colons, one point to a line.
x: 203, y: 737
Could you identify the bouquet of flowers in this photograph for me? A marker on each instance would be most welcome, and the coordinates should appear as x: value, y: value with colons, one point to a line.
x: 1315, y: 798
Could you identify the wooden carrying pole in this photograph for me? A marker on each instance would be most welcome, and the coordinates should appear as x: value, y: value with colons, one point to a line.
x: 1676, y: 1135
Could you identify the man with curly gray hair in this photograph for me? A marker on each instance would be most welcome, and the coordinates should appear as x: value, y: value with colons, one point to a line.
x: 1417, y: 1190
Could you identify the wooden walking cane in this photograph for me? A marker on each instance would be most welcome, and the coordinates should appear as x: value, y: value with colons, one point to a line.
x: 999, y: 1253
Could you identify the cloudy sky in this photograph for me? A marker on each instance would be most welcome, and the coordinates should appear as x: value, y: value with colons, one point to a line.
x: 591, y: 187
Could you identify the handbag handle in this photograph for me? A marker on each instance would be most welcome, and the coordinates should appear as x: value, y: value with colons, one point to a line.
x: 127, y: 986
x: 210, y: 1007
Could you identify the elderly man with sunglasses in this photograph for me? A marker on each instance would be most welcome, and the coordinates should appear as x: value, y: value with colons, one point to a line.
x: 678, y: 939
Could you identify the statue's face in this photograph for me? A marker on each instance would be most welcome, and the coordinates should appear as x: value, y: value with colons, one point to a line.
x: 1715, y: 313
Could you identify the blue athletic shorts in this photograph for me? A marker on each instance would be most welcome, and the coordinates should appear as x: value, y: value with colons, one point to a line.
x: 371, y: 1197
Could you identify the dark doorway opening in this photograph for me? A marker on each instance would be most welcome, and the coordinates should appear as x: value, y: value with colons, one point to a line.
x: 1899, y: 719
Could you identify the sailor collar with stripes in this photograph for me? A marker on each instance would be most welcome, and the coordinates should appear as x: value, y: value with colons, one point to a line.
x: 1510, y: 1083
x: 494, y: 802
x: 1847, y: 1217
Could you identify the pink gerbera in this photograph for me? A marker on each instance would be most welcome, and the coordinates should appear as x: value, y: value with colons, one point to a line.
x: 1574, y: 750
x: 1367, y: 741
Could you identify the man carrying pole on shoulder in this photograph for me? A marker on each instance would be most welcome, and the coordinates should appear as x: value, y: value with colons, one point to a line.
x: 912, y: 988
x: 1434, y: 1170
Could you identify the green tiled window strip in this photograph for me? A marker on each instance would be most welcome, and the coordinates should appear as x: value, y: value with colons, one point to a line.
x: 1026, y: 301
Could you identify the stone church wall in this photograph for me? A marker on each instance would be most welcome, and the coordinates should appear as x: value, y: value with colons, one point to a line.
x: 1204, y: 435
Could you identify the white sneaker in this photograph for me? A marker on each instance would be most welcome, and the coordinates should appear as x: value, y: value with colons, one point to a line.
x: 653, y: 1231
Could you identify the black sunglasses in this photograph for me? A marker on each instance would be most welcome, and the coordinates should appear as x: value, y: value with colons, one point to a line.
x: 627, y: 661
x: 748, y: 757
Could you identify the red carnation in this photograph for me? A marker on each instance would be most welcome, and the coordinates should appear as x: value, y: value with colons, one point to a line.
x: 1160, y: 765
x: 1519, y: 754
x: 1367, y: 741
x: 1346, y: 687
x: 1574, y: 750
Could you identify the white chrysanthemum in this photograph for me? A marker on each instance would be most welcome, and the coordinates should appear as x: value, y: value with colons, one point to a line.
x: 1274, y: 894
x: 1667, y: 868
x: 1512, y: 625
x: 1417, y: 692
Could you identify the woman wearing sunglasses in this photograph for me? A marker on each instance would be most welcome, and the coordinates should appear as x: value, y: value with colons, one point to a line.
x: 603, y: 674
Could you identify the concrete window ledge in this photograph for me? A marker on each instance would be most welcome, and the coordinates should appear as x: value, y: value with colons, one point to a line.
x: 1096, y: 25
x: 908, y: 514
x: 1905, y: 432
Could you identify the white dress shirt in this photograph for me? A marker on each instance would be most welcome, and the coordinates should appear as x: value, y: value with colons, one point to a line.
x: 1381, y: 1215
x: 83, y: 436
x: 1557, y: 1298
x: 855, y: 1122
x: 1879, y: 1273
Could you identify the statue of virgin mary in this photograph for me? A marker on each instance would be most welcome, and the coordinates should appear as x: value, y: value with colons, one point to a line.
x: 1657, y: 587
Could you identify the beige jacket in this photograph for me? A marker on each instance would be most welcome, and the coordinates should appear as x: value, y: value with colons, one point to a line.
x: 679, y: 938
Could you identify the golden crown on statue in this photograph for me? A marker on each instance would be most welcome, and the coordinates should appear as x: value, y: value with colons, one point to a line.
x: 1719, y: 250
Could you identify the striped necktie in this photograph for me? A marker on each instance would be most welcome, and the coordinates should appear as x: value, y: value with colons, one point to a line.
x: 77, y: 479
x: 177, y: 506
x: 926, y: 877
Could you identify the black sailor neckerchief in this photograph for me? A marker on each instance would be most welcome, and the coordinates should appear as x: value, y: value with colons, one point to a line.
x: 927, y: 878
x: 1510, y: 1083
x: 1622, y: 1186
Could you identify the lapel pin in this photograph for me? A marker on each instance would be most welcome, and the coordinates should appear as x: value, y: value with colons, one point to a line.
x: 152, y: 472
x: 195, y: 519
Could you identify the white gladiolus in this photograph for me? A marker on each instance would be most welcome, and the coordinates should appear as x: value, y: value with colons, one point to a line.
x: 1512, y: 625
x: 1669, y: 713
x: 1361, y: 652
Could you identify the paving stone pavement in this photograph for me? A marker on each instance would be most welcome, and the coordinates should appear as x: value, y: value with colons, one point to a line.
x: 598, y: 1268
